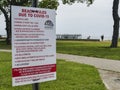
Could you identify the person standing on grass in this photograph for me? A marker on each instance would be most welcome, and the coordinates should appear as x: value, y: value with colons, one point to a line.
x: 102, y: 37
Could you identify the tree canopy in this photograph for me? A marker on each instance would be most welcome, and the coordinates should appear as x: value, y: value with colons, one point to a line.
x: 115, y: 14
x: 53, y: 4
x: 5, y: 10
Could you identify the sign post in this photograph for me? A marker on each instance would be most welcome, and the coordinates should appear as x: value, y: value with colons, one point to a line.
x: 33, y: 45
x: 35, y: 85
x: 34, y: 3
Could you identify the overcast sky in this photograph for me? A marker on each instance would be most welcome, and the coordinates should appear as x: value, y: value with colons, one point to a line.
x: 94, y: 21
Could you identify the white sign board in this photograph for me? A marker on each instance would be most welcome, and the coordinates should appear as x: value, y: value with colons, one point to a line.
x: 33, y: 45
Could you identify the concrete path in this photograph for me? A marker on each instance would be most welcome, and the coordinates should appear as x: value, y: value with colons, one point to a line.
x: 3, y: 50
x: 109, y: 69
x: 112, y: 65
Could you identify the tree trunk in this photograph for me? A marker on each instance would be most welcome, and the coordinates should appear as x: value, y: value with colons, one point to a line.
x: 115, y: 36
x: 8, y: 29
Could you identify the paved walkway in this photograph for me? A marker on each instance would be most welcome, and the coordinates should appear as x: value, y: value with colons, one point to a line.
x: 3, y: 50
x: 112, y: 65
x: 109, y: 69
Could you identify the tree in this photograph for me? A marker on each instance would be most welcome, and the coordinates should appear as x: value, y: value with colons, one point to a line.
x: 115, y: 14
x: 51, y: 4
x: 5, y: 9
x: 116, y: 18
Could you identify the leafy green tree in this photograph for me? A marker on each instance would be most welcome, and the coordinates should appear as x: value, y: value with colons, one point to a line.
x: 51, y: 4
x: 5, y: 10
x: 115, y: 14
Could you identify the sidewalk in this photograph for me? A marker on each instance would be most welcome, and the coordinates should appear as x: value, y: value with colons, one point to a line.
x: 4, y: 50
x: 109, y: 69
x: 112, y: 65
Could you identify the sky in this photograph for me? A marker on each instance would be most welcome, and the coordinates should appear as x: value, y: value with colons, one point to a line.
x: 94, y: 21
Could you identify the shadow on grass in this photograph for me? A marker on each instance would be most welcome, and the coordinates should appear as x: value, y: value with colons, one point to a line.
x: 109, y: 47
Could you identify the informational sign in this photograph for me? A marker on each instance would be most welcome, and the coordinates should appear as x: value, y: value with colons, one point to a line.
x: 33, y: 45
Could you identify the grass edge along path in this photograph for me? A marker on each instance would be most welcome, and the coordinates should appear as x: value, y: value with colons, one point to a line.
x: 89, y: 48
x: 70, y: 76
x: 83, y: 48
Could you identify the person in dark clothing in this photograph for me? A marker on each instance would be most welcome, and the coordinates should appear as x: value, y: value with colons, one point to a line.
x: 102, y: 37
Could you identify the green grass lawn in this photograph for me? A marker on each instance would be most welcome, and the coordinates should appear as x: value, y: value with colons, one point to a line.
x: 3, y: 45
x: 89, y: 48
x: 70, y: 76
x: 83, y: 48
